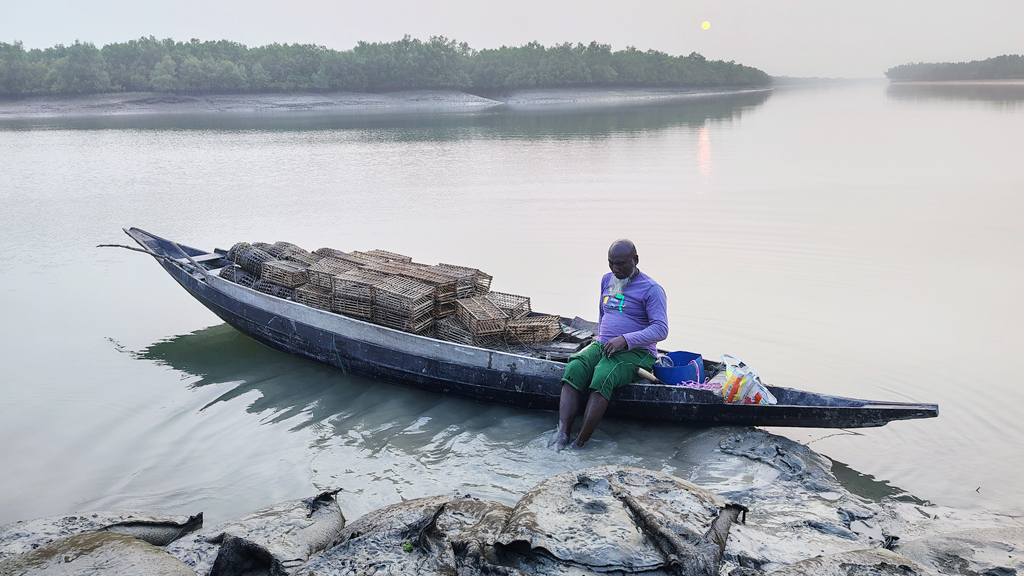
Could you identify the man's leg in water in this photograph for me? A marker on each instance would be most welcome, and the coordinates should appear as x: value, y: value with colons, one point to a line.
x: 596, y: 406
x: 609, y: 374
x: 568, y: 406
x: 579, y: 373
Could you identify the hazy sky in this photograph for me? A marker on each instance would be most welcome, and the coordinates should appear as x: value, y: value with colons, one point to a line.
x: 850, y: 38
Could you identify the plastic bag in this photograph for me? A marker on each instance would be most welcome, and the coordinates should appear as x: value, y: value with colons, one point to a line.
x: 743, y: 384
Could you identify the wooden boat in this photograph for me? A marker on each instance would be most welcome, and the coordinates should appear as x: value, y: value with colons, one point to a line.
x: 480, y: 374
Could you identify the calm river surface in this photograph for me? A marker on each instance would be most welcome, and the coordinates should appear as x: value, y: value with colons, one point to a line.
x: 855, y: 240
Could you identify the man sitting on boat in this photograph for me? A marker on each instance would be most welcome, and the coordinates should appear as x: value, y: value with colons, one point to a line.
x: 633, y: 318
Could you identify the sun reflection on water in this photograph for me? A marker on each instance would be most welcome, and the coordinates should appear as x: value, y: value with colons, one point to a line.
x: 704, y: 154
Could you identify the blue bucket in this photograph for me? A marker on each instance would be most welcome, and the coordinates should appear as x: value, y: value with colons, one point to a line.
x: 686, y: 367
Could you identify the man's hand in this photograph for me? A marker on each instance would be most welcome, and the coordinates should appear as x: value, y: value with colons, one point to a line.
x: 617, y: 344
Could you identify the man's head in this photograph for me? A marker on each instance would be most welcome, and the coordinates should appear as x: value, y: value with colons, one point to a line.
x: 622, y: 259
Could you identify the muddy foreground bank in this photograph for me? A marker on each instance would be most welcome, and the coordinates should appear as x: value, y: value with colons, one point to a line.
x: 785, y: 514
x: 342, y: 103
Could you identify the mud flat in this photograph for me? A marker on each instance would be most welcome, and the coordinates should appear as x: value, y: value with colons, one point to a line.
x: 141, y: 104
x: 589, y: 98
x: 784, y: 513
x: 341, y: 103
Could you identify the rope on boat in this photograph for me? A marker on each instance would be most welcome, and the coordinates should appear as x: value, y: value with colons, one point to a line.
x: 132, y: 248
x: 204, y: 271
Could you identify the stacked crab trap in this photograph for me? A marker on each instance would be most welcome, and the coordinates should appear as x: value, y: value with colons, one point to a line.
x: 444, y: 301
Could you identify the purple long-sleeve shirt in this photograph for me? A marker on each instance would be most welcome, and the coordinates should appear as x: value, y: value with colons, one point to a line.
x: 640, y: 314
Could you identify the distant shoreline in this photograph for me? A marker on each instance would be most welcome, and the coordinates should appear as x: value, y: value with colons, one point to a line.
x: 998, y: 68
x: 345, y: 103
x: 1003, y: 82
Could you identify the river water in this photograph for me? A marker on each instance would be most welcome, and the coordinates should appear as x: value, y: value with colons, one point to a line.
x: 855, y: 239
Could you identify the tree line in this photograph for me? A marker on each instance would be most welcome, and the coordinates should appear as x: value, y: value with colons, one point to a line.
x: 1006, y: 67
x: 149, y: 64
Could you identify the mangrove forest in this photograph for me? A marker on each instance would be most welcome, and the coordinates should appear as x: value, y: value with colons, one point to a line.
x: 1006, y: 67
x: 225, y: 67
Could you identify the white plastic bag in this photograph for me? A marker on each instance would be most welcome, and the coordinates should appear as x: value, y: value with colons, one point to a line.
x: 743, y: 384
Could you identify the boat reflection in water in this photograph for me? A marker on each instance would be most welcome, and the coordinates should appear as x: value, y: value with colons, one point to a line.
x: 368, y: 416
x: 289, y: 387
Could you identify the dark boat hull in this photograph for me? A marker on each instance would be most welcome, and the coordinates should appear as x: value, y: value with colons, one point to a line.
x: 381, y: 353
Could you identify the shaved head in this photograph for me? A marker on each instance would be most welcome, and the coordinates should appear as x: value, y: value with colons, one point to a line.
x: 622, y: 247
x: 622, y: 259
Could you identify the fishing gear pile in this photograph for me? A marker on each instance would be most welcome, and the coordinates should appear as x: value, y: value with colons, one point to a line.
x: 443, y: 301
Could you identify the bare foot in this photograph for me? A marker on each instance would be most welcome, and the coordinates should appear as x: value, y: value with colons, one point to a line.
x: 561, y: 439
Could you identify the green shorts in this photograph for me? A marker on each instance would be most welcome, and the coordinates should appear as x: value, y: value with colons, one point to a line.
x: 590, y: 368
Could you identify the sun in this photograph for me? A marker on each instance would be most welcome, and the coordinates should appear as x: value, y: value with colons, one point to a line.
x: 705, y: 25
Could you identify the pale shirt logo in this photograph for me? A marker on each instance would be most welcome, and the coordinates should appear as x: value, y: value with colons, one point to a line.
x: 615, y: 299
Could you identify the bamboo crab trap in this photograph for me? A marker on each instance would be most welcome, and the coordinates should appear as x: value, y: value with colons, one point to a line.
x: 357, y: 258
x: 328, y: 252
x: 531, y: 329
x: 514, y: 306
x: 268, y: 287
x: 404, y: 304
x: 286, y: 273
x: 443, y: 286
x: 306, y: 259
x: 289, y: 251
x: 233, y: 252
x: 451, y: 330
x: 400, y: 296
x: 481, y: 280
x: 279, y: 249
x: 237, y: 275
x: 480, y: 316
x: 368, y: 256
x: 353, y: 293
x: 388, y: 256
x: 322, y: 273
x: 422, y: 325
x: 465, y: 281
x: 314, y: 296
x: 251, y: 259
